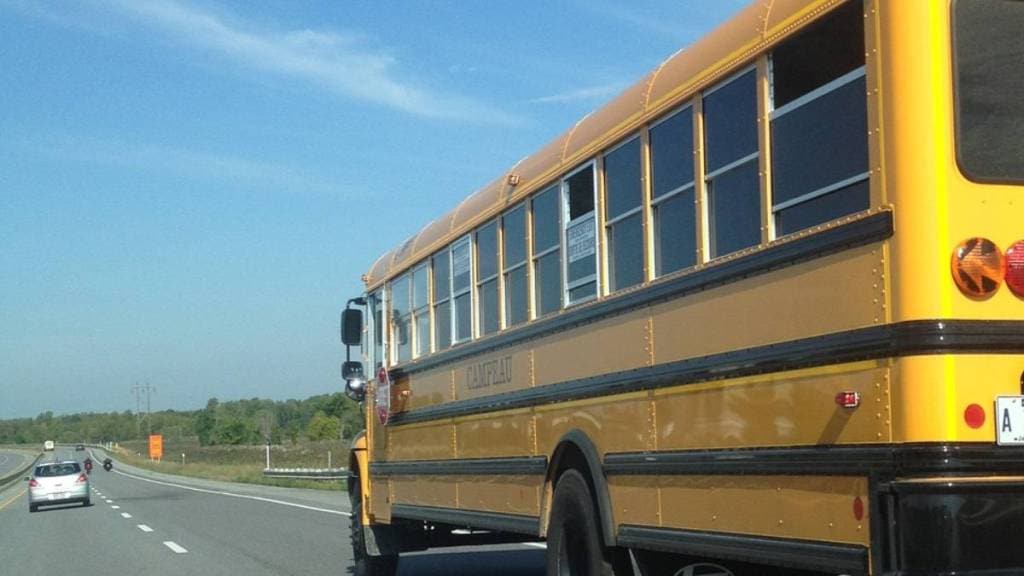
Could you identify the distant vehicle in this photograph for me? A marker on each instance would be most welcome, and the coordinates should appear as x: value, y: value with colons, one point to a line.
x: 48, y: 446
x: 80, y: 448
x: 58, y: 483
x: 108, y: 465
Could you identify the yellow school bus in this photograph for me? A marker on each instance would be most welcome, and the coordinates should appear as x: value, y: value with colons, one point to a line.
x: 763, y: 313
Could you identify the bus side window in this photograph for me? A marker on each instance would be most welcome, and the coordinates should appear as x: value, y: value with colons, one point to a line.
x: 513, y: 238
x: 819, y: 123
x: 547, y: 256
x: 462, y: 289
x: 578, y: 194
x: 733, y: 186
x: 624, y: 216
x: 442, y: 300
x: 672, y: 193
x: 401, y: 319
x: 487, y: 278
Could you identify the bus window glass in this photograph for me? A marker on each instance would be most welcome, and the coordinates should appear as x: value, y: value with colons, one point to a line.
x: 513, y: 225
x: 580, y: 236
x: 442, y: 305
x: 988, y: 50
x: 547, y: 261
x: 421, y: 309
x: 487, y: 277
x: 672, y: 193
x: 462, y: 290
x: 376, y: 308
x: 819, y: 123
x: 623, y: 197
x: 401, y: 338
x: 731, y: 162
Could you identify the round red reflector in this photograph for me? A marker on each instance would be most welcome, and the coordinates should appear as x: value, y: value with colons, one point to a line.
x: 974, y: 416
x: 858, y: 508
x: 978, y: 267
x: 1015, y: 268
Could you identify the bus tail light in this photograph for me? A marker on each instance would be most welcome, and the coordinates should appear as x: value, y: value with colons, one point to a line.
x: 978, y: 267
x: 1015, y: 268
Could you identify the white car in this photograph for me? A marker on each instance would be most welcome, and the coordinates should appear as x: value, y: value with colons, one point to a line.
x: 58, y: 483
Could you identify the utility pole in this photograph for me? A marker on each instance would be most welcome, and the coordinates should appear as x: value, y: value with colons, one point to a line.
x: 138, y: 390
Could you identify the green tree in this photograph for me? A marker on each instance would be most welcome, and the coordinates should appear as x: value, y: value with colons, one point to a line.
x: 323, y: 427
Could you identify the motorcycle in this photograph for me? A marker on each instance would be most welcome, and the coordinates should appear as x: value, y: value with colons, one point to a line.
x: 108, y: 465
x: 88, y: 466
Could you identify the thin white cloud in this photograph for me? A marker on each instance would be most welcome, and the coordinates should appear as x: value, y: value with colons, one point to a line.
x: 593, y: 93
x: 328, y: 59
x: 146, y: 158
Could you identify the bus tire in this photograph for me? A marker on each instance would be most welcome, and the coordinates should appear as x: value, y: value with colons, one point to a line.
x: 575, y: 547
x: 363, y: 563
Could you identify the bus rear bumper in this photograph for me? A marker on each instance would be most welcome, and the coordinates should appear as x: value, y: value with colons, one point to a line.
x: 953, y: 525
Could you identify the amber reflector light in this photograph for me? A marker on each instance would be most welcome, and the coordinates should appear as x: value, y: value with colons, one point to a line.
x: 1015, y: 268
x: 978, y: 267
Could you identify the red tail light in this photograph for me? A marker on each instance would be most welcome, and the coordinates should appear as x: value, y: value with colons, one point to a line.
x: 1015, y: 268
x: 82, y: 478
x: 33, y: 484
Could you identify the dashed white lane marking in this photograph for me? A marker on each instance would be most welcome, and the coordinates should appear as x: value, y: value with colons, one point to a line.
x: 177, y: 549
x: 110, y: 501
x: 115, y: 507
x: 144, y: 528
x: 125, y: 515
x: 245, y: 496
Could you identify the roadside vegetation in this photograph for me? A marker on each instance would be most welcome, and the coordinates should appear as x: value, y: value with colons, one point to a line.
x: 223, y: 441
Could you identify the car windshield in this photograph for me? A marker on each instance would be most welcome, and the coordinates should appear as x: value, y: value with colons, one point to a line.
x: 57, y: 470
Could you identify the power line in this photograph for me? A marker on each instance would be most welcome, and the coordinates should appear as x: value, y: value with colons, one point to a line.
x: 138, y: 391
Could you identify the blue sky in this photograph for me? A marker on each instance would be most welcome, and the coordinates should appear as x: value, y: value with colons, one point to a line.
x: 190, y: 189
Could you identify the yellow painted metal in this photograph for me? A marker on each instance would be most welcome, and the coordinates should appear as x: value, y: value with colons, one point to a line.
x: 806, y: 507
x: 782, y: 409
x: 494, y: 435
x: 505, y: 494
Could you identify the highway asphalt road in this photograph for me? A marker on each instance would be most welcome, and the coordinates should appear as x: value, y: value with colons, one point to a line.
x: 12, y: 460
x: 146, y: 523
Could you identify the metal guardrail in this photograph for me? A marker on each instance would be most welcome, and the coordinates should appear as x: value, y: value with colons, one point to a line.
x: 307, y: 473
x: 18, y: 475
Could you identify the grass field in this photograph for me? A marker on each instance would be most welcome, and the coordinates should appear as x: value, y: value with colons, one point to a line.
x: 239, y: 463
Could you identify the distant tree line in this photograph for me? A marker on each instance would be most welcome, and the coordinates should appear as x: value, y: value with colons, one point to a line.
x: 324, y: 417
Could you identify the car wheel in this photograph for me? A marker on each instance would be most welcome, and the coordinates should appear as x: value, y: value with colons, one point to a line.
x: 32, y: 508
x: 87, y: 503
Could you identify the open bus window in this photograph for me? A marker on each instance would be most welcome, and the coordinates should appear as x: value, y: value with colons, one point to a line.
x: 442, y: 300
x: 819, y: 123
x: 421, y: 309
x: 400, y: 318
x: 623, y: 214
x: 731, y: 162
x: 487, y: 277
x: 672, y: 193
x: 547, y: 252
x: 513, y: 238
x: 376, y: 303
x: 580, y: 236
x: 462, y: 290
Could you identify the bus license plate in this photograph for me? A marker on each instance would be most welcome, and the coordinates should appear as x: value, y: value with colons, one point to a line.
x: 1009, y: 420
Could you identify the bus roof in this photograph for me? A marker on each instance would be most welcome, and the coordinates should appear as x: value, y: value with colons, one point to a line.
x: 718, y: 54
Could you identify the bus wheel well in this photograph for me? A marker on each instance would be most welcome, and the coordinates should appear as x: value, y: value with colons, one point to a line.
x: 575, y: 451
x: 354, y: 473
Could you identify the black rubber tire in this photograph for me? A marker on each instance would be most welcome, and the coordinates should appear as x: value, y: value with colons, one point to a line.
x: 575, y: 546
x: 363, y: 563
x: 87, y: 503
x: 32, y: 508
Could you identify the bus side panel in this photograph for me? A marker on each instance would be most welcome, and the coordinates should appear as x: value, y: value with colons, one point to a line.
x: 830, y: 294
x: 501, y: 435
x: 801, y: 507
x: 613, y: 345
x: 508, y: 494
x: 794, y: 408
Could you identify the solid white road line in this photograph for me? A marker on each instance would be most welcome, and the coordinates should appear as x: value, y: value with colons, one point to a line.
x: 536, y: 544
x: 247, y: 497
x: 125, y: 515
x: 177, y: 549
x: 144, y: 528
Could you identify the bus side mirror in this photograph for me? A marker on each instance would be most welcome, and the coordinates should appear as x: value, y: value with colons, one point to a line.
x: 351, y: 326
x: 355, y: 380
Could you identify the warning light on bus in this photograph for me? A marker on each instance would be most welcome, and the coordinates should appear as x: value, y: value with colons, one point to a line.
x: 1015, y: 268
x: 848, y: 399
x: 974, y: 416
x: 978, y: 267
